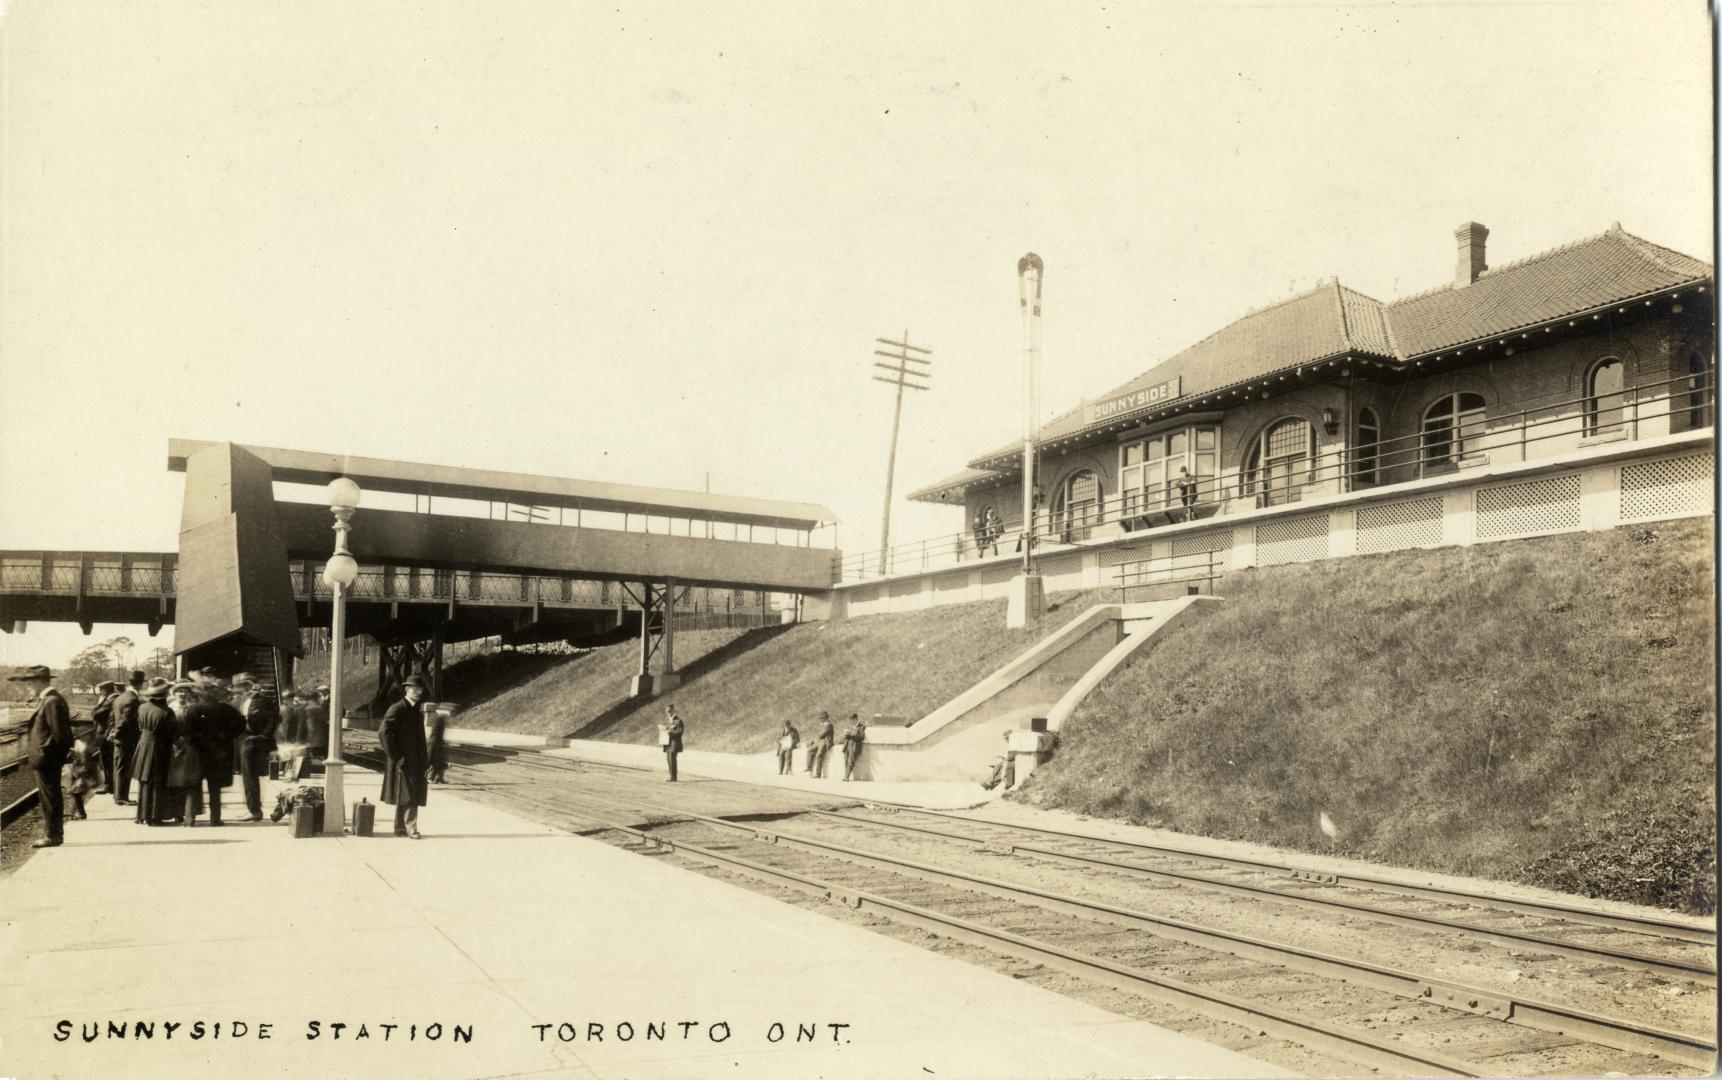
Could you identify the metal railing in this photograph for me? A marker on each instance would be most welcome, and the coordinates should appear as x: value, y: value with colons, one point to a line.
x: 1190, y: 571
x: 1433, y: 452
x: 57, y: 576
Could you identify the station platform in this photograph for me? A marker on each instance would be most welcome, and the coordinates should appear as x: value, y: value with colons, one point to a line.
x: 488, y: 943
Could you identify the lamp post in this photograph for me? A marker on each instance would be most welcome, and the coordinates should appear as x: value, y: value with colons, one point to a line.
x: 1027, y: 597
x: 338, y: 574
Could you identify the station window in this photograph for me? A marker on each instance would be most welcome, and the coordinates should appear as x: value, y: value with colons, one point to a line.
x: 1076, y: 506
x: 1366, y: 455
x: 1605, y: 397
x: 1279, y: 464
x: 1453, y: 430
x: 1148, y: 469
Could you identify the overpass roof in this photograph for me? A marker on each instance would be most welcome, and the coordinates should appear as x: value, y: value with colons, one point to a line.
x: 408, y: 477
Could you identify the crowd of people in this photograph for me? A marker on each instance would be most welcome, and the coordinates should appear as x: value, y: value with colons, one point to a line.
x: 181, y: 743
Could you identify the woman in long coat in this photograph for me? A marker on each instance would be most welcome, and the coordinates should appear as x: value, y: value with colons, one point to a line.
x: 156, y: 730
x: 405, y: 757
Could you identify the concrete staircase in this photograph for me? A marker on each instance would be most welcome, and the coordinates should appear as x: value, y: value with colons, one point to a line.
x: 962, y: 738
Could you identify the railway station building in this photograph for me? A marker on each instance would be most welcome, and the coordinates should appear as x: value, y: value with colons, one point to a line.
x: 1602, y: 348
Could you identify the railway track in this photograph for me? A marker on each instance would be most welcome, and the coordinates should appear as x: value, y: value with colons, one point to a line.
x: 1359, y: 1011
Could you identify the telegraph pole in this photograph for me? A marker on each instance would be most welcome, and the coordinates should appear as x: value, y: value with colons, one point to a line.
x: 901, y: 375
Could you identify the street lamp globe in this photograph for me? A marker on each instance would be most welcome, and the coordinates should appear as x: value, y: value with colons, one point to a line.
x: 343, y: 493
x: 340, y: 570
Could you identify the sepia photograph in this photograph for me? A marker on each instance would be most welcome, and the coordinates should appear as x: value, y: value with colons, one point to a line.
x: 984, y: 541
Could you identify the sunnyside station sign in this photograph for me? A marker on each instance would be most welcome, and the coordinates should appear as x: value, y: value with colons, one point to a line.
x: 1106, y: 408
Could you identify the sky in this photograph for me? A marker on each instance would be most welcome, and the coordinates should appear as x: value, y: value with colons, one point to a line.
x: 652, y: 243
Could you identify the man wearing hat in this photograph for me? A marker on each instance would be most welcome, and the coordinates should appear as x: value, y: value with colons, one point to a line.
x: 402, y: 735
x: 124, y: 738
x: 102, y: 715
x: 822, y: 743
x: 257, y: 708
x: 48, y: 742
x: 156, y: 731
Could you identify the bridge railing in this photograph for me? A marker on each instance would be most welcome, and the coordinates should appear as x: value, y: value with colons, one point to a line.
x: 1683, y: 403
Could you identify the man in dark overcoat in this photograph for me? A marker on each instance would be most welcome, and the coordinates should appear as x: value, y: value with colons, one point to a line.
x: 48, y: 743
x: 853, y: 740
x: 208, y: 723
x: 257, y: 707
x: 405, y: 757
x: 125, y: 738
x: 156, y: 732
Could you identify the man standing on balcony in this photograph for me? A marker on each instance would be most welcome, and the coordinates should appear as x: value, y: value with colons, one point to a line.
x: 48, y: 742
x: 125, y: 738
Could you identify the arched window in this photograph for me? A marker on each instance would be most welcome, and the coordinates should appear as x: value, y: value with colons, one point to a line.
x: 1076, y: 507
x: 1278, y: 466
x: 1605, y: 397
x: 1366, y: 454
x: 1452, y: 430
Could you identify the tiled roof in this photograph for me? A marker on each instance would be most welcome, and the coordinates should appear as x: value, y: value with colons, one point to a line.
x: 1580, y: 276
x: 1331, y: 321
x: 950, y: 484
x: 1327, y: 321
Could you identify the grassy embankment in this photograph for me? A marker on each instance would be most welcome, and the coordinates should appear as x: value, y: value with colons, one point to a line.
x: 1539, y: 710
x: 739, y: 686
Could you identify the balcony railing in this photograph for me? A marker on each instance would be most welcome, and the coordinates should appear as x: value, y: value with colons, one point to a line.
x: 57, y: 575
x: 1683, y: 403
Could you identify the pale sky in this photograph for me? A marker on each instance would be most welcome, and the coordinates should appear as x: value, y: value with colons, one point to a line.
x: 642, y: 243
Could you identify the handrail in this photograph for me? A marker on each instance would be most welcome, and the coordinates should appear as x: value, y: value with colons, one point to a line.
x: 1360, y: 467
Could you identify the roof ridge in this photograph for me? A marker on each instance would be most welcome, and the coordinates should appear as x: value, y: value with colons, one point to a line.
x: 1516, y: 263
x: 1655, y: 252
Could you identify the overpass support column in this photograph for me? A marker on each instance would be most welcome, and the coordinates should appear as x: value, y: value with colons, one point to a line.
x: 641, y: 684
x: 670, y: 678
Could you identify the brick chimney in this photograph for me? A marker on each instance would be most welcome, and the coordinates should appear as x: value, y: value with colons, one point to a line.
x: 1472, y: 237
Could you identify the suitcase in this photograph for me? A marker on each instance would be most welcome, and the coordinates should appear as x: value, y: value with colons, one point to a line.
x: 274, y: 769
x: 364, y: 817
x: 307, y: 820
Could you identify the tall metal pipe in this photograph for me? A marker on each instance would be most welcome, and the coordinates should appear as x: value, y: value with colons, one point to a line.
x: 1029, y: 271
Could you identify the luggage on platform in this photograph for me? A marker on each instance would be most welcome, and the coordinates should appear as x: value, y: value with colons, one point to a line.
x: 307, y: 820
x: 364, y: 817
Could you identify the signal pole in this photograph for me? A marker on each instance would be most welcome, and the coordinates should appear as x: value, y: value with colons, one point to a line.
x: 902, y: 375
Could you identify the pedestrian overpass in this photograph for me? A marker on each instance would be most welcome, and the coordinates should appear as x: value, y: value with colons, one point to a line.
x: 462, y: 553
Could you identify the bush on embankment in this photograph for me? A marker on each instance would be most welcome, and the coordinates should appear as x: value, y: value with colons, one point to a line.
x: 1538, y: 710
x: 738, y: 690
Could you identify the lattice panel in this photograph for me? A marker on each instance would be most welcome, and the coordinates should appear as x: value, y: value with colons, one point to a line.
x: 1392, y: 526
x: 1667, y: 488
x: 1061, y: 564
x: 1220, y: 540
x: 1115, y: 555
x: 1528, y: 509
x: 1289, y: 540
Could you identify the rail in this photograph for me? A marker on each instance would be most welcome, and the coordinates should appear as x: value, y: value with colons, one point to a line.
x: 1435, y: 451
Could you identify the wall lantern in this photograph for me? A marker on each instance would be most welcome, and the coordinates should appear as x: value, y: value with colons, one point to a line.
x: 1330, y: 421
